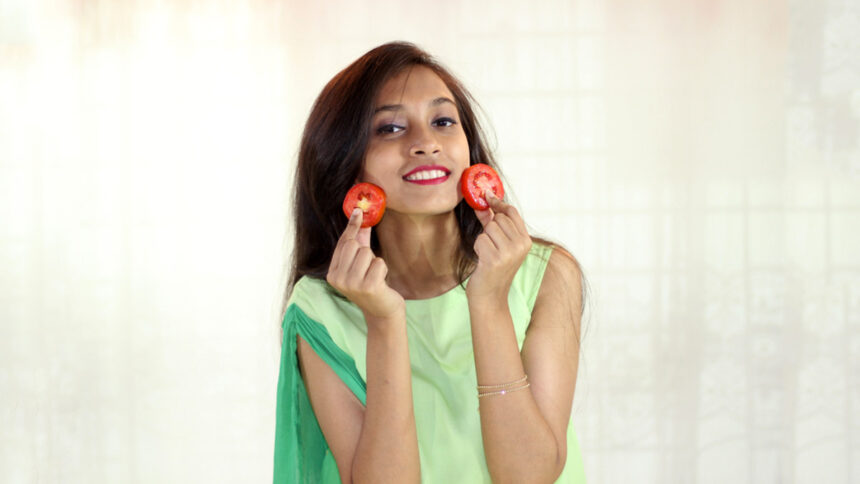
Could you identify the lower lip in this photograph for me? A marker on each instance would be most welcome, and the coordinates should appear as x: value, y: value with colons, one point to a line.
x: 431, y: 181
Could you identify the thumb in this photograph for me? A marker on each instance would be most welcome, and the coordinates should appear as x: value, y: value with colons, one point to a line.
x: 363, y: 237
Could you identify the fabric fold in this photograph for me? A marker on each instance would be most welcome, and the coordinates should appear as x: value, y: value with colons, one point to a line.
x: 442, y: 363
x: 301, y: 452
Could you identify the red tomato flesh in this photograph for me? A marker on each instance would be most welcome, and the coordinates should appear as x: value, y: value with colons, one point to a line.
x: 369, y: 198
x: 475, y: 182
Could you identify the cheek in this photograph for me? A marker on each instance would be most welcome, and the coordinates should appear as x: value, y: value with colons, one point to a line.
x: 463, y: 150
x: 375, y: 166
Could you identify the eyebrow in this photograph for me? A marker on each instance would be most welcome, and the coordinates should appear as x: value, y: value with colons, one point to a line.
x: 398, y: 107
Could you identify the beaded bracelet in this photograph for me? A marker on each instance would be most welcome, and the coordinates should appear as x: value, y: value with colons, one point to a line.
x: 503, y: 385
x: 503, y: 392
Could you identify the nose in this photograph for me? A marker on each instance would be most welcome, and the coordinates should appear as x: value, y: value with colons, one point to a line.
x: 424, y: 143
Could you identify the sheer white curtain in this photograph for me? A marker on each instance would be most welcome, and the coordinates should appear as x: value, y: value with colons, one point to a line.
x: 701, y: 159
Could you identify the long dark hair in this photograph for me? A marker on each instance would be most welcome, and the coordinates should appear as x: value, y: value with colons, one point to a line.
x: 332, y: 152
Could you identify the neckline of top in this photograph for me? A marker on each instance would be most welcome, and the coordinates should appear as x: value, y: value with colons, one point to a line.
x: 457, y: 287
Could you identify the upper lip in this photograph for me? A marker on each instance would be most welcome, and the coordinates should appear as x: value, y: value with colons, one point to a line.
x: 427, y: 168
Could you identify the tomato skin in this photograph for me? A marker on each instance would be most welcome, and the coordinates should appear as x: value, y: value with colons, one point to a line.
x: 370, y: 195
x: 475, y: 180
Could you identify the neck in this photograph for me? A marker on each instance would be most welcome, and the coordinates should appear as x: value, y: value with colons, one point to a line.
x: 419, y: 252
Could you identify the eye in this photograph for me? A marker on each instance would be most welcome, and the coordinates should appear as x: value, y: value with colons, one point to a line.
x: 388, y: 129
x: 444, y: 122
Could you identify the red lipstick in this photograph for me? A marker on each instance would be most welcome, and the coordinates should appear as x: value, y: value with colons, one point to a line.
x: 428, y: 167
x: 428, y: 175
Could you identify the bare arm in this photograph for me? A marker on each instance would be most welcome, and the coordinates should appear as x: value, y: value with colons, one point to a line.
x: 378, y: 443
x: 388, y: 447
x: 524, y: 432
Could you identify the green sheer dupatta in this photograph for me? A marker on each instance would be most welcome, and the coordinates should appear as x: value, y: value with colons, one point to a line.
x: 301, y: 452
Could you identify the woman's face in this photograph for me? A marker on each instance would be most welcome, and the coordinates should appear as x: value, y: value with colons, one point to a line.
x: 417, y: 148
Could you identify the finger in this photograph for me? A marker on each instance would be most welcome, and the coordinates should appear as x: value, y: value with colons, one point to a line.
x: 484, y: 246
x: 363, y: 237
x: 345, y: 254
x: 354, y: 224
x: 378, y: 270
x: 507, y: 225
x: 335, y: 257
x: 516, y: 238
x: 349, y: 233
x: 360, y: 263
x: 484, y: 216
x: 497, y: 235
x: 500, y: 206
x: 495, y: 202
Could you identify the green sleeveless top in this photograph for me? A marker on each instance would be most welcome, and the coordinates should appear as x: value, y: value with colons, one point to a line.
x: 443, y: 379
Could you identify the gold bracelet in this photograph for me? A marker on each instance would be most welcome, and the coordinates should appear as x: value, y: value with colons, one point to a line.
x: 503, y: 392
x: 503, y: 385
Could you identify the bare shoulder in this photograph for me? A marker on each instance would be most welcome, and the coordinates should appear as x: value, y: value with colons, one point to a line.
x: 560, y: 293
x: 550, y: 350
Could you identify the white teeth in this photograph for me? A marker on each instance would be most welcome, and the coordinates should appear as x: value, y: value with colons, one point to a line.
x: 426, y: 175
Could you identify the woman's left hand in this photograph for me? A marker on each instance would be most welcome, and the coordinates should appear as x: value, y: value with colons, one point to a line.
x: 501, y: 248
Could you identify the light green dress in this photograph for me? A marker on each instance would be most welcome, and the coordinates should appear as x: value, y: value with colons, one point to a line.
x: 443, y: 379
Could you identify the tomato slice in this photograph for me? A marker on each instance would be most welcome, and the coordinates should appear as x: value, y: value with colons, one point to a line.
x: 474, y: 183
x: 369, y: 198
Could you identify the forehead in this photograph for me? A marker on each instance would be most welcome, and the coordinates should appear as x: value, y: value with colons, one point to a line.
x: 415, y: 84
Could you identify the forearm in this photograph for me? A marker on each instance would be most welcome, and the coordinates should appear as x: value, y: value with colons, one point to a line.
x: 518, y: 442
x: 387, y: 449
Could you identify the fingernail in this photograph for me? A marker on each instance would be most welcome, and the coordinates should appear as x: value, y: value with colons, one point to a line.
x: 355, y: 213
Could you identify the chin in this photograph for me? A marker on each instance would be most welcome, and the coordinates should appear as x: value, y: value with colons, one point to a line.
x: 426, y: 211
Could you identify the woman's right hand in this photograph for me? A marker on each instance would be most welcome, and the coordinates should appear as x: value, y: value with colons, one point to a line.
x: 359, y: 275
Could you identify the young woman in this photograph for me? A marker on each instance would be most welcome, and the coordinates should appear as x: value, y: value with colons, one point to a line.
x: 442, y: 344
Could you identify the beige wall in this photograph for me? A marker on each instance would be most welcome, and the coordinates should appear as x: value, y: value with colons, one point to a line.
x: 700, y: 158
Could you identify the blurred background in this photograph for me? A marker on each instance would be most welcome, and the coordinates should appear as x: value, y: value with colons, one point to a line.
x: 701, y: 159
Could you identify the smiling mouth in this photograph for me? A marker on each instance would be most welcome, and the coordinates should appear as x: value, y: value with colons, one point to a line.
x: 427, y: 177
